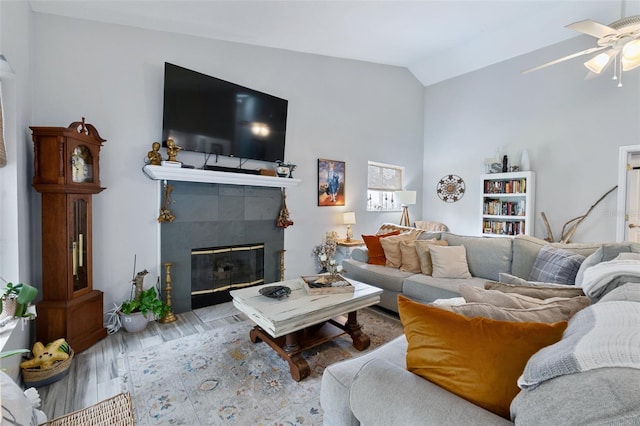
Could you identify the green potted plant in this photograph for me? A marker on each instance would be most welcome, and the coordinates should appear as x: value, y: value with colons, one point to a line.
x: 135, y: 313
x: 16, y: 299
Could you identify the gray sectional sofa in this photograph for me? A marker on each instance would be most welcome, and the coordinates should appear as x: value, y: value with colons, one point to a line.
x: 377, y: 388
x: 486, y: 257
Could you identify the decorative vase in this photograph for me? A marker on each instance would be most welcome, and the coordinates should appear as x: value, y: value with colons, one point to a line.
x: 9, y: 306
x: 133, y: 322
x: 525, y: 164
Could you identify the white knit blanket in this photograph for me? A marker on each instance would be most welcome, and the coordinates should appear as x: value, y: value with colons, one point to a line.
x: 605, y: 276
x: 606, y: 334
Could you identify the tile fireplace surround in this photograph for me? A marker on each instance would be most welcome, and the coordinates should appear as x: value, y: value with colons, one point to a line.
x: 212, y: 215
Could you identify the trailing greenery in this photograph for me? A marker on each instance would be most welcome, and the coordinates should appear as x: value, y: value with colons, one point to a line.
x: 147, y: 302
x: 24, y: 294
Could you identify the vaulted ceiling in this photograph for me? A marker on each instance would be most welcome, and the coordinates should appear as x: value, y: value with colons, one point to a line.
x: 435, y: 40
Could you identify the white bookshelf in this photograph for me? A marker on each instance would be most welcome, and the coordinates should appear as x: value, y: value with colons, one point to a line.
x: 508, y: 204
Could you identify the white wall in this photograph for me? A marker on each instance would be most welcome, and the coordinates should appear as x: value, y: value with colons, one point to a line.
x: 15, y: 177
x: 113, y: 75
x: 571, y: 127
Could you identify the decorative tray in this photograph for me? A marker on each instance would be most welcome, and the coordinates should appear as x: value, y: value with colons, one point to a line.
x: 322, y: 284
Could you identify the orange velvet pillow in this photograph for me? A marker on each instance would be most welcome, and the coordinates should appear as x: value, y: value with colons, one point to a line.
x: 376, y: 253
x: 478, y: 359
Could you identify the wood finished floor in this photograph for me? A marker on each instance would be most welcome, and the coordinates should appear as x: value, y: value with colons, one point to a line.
x: 94, y: 373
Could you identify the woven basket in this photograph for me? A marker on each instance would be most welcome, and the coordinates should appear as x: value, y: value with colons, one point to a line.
x: 36, y: 377
x: 115, y: 411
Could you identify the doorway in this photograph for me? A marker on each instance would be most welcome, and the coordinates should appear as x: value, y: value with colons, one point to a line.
x: 628, y: 223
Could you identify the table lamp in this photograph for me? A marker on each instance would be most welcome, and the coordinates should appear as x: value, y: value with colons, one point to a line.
x: 405, y: 198
x: 349, y: 218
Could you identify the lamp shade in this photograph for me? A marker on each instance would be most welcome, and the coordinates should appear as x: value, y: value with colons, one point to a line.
x: 349, y: 218
x: 406, y: 197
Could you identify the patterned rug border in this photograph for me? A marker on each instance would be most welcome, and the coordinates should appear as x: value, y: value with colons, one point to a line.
x: 220, y: 377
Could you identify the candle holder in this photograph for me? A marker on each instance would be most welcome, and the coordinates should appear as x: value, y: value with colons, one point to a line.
x: 282, y: 265
x: 170, y: 317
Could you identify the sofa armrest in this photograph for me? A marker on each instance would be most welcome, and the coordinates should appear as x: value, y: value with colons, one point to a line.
x: 385, y: 394
x: 360, y: 254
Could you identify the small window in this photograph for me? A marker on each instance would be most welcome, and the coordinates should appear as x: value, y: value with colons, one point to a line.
x: 383, y: 180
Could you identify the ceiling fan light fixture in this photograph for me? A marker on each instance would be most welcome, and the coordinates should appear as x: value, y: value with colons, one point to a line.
x: 629, y: 64
x: 599, y: 62
x: 631, y: 50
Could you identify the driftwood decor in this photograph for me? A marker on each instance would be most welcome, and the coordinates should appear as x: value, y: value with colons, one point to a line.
x: 569, y: 228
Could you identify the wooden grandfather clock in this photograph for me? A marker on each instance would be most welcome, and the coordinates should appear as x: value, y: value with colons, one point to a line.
x: 67, y: 173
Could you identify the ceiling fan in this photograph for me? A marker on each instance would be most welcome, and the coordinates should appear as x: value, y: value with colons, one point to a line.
x: 619, y: 42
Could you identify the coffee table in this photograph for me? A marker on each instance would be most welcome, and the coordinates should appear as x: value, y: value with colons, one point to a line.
x: 302, y: 321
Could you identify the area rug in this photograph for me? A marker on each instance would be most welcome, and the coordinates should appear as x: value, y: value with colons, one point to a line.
x: 220, y: 378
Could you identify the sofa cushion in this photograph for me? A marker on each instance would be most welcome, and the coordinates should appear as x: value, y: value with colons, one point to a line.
x: 478, y: 359
x: 337, y: 379
x: 519, y: 301
x: 431, y: 226
x: 391, y: 247
x: 426, y: 288
x: 547, y: 314
x: 526, y: 248
x: 537, y: 290
x: 603, y: 335
x: 606, y: 396
x: 376, y: 253
x: 410, y: 259
x: 422, y: 249
x: 554, y: 265
x: 449, y: 262
x: 376, y: 275
x: 384, y: 394
x: 486, y: 257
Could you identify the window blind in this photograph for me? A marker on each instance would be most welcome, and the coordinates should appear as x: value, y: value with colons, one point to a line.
x: 384, y: 177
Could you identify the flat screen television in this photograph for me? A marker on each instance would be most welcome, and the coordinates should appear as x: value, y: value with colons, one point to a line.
x: 206, y: 114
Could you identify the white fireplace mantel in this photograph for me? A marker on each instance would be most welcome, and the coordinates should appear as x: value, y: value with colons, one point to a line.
x: 212, y: 176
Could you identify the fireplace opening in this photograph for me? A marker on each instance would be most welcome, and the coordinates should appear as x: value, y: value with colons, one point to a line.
x: 217, y: 270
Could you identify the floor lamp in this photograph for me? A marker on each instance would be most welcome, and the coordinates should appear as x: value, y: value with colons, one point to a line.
x: 405, y: 198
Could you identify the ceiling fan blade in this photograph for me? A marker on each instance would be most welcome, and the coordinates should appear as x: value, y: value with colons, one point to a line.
x: 592, y: 28
x: 575, y: 55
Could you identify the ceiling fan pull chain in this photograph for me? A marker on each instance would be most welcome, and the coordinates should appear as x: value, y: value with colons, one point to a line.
x: 620, y: 78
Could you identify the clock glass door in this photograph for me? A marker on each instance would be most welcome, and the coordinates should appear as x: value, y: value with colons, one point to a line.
x: 80, y: 242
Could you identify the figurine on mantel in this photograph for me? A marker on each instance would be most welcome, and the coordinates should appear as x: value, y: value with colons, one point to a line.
x: 172, y: 150
x: 155, y: 158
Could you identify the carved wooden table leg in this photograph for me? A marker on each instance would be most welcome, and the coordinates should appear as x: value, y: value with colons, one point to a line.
x: 298, y: 366
x: 360, y: 340
x: 289, y: 350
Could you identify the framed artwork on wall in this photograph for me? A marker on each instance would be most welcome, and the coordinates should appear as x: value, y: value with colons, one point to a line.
x: 331, y: 182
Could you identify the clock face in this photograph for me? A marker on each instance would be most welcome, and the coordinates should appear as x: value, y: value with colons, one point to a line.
x: 81, y: 165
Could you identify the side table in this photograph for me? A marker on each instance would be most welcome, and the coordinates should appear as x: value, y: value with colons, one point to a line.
x: 344, y: 247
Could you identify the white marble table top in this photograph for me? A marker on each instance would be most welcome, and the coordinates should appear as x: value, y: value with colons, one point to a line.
x: 300, y: 310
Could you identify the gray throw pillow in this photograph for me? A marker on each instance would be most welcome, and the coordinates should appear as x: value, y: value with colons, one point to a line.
x: 554, y: 265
